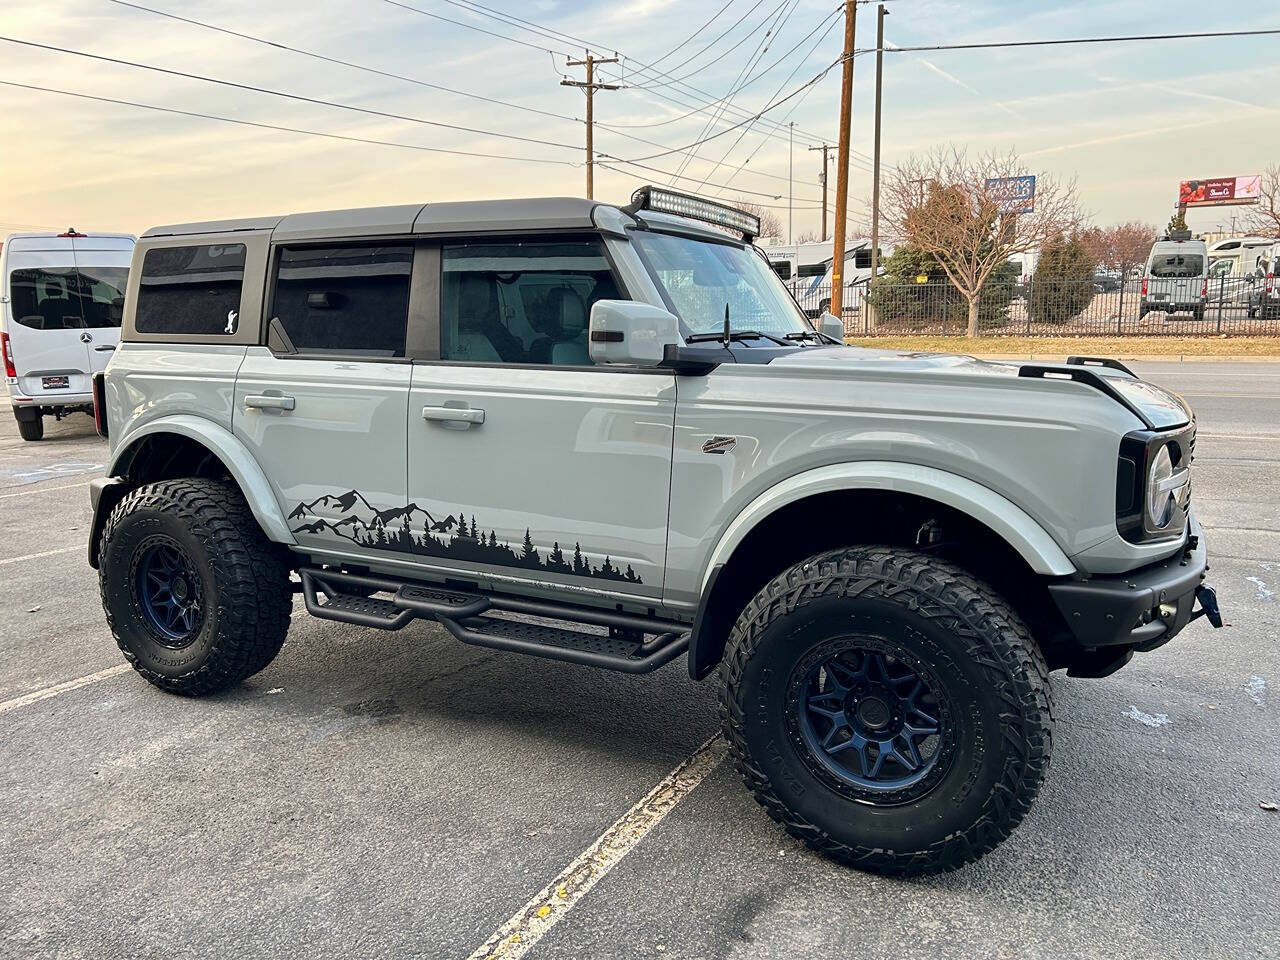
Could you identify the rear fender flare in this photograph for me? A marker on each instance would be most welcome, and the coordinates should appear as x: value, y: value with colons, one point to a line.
x: 235, y: 456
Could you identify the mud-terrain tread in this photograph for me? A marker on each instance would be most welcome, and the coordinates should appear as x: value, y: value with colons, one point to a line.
x: 255, y: 601
x: 1003, y: 646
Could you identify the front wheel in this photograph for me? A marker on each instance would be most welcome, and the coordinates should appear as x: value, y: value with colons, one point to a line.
x: 197, y: 597
x: 888, y: 709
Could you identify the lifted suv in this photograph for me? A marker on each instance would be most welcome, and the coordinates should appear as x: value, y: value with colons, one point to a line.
x: 607, y: 435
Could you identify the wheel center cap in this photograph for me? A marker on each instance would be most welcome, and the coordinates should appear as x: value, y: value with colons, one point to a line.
x: 873, y: 713
x: 179, y: 588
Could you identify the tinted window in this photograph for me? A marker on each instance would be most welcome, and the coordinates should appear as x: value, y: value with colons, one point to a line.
x: 344, y: 300
x: 61, y: 298
x: 191, y: 289
x: 521, y: 302
x: 1177, y: 265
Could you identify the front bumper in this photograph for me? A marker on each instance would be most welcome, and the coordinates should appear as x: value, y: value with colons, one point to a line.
x: 1140, y: 609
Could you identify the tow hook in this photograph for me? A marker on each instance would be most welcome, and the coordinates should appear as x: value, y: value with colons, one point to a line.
x: 1208, y: 600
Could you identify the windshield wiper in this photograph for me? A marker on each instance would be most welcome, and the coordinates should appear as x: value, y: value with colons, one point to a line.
x: 733, y: 335
x: 815, y: 335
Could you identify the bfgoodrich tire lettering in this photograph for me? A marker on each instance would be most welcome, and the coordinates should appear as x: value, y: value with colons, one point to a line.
x: 236, y: 583
x: 930, y: 618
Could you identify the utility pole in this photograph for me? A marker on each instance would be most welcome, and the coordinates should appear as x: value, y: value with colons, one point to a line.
x: 591, y: 87
x: 842, y: 159
x: 881, y: 13
x: 791, y: 181
x: 822, y: 179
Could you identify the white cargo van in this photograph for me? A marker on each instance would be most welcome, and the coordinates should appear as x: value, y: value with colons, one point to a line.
x: 1176, y: 278
x: 61, y: 300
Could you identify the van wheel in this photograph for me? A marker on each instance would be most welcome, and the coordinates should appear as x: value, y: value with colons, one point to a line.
x: 888, y: 709
x: 31, y: 429
x: 1198, y: 313
x: 197, y: 597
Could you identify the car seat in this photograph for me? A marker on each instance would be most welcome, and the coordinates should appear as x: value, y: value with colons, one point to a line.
x: 563, y: 325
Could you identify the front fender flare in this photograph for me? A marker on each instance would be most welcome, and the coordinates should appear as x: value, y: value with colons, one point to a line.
x: 999, y: 514
x: 235, y: 456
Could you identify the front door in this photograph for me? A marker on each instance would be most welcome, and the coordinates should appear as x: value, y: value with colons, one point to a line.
x: 322, y: 407
x: 527, y: 465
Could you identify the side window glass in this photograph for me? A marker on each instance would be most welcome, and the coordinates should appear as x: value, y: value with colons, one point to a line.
x: 192, y: 289
x: 521, y: 301
x: 348, y: 300
x: 45, y: 298
x: 102, y: 295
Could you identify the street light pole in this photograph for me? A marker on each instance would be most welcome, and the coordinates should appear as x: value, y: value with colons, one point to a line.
x: 881, y: 13
x: 791, y: 169
x: 822, y: 180
x: 842, y: 158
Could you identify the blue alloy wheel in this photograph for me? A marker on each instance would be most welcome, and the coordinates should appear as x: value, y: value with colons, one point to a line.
x: 872, y: 722
x: 169, y: 591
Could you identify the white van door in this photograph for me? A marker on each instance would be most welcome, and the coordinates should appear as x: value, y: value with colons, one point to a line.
x: 45, y: 325
x: 103, y: 267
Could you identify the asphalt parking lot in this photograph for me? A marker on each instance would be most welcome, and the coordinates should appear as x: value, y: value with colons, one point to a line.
x: 387, y: 795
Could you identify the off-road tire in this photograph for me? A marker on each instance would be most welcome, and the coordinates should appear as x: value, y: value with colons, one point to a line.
x: 31, y: 429
x: 976, y: 646
x: 243, y: 575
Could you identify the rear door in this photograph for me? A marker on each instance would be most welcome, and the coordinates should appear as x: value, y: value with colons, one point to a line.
x: 322, y: 405
x: 102, y: 265
x: 45, y: 325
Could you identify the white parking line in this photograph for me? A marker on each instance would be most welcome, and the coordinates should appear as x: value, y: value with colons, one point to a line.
x: 47, y: 553
x: 531, y: 923
x: 29, y: 698
x: 27, y: 493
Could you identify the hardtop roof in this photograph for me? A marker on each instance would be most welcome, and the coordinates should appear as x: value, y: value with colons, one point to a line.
x: 460, y: 216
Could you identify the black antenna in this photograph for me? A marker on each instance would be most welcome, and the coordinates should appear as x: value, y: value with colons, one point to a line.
x: 727, y: 339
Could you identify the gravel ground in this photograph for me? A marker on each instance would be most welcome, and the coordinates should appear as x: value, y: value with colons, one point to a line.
x: 387, y: 795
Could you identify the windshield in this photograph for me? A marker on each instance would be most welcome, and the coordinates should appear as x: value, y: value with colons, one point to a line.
x: 699, y: 277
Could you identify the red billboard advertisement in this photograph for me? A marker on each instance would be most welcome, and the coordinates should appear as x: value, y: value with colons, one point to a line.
x: 1219, y: 191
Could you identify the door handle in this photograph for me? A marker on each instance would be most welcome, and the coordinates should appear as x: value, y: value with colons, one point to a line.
x: 105, y: 348
x: 467, y: 415
x: 269, y: 403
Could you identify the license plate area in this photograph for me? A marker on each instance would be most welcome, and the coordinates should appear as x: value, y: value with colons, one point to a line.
x: 55, y: 383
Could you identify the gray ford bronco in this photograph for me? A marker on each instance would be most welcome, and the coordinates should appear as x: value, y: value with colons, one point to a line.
x: 609, y: 436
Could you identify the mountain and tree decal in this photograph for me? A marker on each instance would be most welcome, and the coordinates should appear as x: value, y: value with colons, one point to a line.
x: 414, y: 529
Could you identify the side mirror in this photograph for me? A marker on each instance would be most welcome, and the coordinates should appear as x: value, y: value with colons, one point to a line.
x: 832, y: 326
x: 627, y: 331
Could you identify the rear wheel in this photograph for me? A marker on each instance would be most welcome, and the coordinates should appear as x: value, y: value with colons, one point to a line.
x: 888, y: 709
x: 197, y: 597
x: 32, y: 429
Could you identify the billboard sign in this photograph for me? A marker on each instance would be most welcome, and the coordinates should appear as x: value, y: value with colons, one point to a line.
x: 1013, y: 194
x: 1219, y: 191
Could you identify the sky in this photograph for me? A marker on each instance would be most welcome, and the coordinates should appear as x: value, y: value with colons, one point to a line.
x: 1126, y: 121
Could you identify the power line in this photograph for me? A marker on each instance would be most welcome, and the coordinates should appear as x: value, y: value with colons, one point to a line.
x: 545, y: 32
x: 608, y: 165
x: 394, y: 76
x: 1052, y: 43
x: 273, y: 126
x: 753, y: 117
x: 290, y: 96
x: 695, y: 56
x: 687, y: 39
x: 346, y: 63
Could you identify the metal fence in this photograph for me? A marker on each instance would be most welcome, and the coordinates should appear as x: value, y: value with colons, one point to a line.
x: 1162, y: 307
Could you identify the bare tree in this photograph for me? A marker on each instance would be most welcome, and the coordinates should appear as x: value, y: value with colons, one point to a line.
x: 1121, y: 245
x: 770, y: 222
x: 809, y: 236
x: 940, y: 203
x: 1264, y: 218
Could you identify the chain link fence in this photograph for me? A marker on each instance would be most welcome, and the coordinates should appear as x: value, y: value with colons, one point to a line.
x: 1105, y: 307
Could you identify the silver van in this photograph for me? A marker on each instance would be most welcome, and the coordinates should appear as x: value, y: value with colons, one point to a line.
x: 1176, y: 278
x: 61, y: 301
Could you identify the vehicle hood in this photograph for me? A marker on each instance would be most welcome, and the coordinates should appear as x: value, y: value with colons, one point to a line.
x: 1161, y: 408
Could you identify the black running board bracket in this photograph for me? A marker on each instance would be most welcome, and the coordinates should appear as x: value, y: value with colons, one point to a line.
x: 640, y: 643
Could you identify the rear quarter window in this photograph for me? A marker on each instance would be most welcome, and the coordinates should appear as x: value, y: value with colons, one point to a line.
x: 193, y: 289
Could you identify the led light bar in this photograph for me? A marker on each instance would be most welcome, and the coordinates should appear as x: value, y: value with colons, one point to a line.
x: 662, y: 200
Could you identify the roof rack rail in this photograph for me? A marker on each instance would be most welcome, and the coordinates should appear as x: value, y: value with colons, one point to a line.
x: 1101, y: 362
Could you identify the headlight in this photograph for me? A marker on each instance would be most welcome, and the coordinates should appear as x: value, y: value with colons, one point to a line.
x: 1160, y: 495
x: 1153, y: 484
